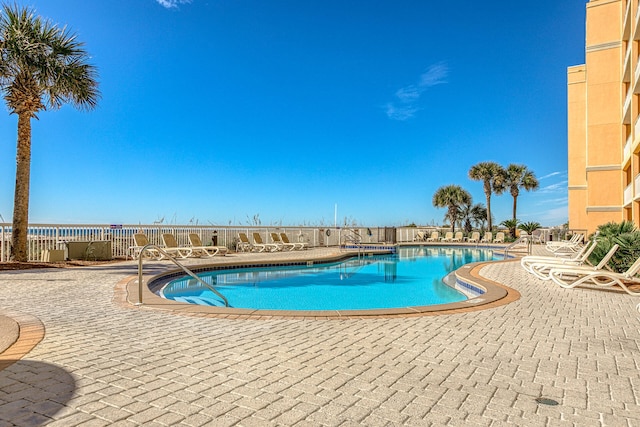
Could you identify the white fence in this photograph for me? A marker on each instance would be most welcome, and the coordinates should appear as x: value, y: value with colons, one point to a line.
x: 48, y: 237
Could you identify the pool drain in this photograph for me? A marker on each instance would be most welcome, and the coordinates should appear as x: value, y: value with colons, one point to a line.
x: 547, y: 401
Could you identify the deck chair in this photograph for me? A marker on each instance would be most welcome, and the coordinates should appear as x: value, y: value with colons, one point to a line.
x: 499, y: 237
x: 597, y: 277
x: 488, y: 237
x: 448, y: 237
x: 257, y: 241
x: 276, y: 239
x: 458, y: 237
x: 207, y: 251
x: 244, y: 245
x: 298, y: 245
x: 171, y: 247
x: 541, y: 268
x: 475, y: 237
x: 435, y: 236
x: 139, y: 242
x: 419, y: 237
x: 571, y: 245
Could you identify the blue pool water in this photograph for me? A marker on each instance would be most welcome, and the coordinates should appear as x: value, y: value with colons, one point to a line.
x: 411, y: 277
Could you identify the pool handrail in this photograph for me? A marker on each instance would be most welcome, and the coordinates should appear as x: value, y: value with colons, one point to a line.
x: 172, y: 259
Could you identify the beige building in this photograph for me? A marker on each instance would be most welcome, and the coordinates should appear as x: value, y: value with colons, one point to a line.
x: 603, y: 118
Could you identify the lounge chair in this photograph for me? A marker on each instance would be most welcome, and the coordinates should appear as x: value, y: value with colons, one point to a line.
x: 139, y: 242
x: 419, y: 237
x: 488, y: 237
x: 448, y: 237
x: 244, y: 245
x: 207, y: 251
x: 568, y: 277
x: 541, y: 268
x: 435, y: 236
x: 298, y: 245
x: 475, y: 237
x: 578, y: 258
x: 257, y: 241
x: 572, y: 245
x: 499, y: 237
x: 458, y: 237
x: 171, y: 247
x: 276, y: 239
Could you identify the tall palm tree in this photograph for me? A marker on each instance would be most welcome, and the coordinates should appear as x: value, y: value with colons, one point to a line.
x: 490, y: 173
x: 451, y: 197
x: 470, y: 215
x: 42, y: 67
x: 517, y: 177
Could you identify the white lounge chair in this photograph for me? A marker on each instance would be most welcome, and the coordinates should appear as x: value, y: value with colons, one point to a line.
x: 207, y: 251
x: 572, y: 245
x: 499, y: 237
x: 568, y: 277
x: 171, y: 247
x: 435, y: 236
x: 488, y: 237
x: 298, y: 245
x: 475, y: 237
x: 448, y: 237
x: 539, y: 261
x: 458, y: 237
x: 139, y: 242
x: 257, y: 241
x: 244, y: 245
x: 541, y: 269
x: 276, y: 239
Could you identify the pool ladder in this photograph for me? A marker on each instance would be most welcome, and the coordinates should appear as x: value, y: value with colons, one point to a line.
x: 182, y: 267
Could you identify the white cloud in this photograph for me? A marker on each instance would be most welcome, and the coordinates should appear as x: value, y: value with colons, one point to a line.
x: 549, y: 175
x: 404, y: 107
x: 554, y: 188
x: 172, y: 4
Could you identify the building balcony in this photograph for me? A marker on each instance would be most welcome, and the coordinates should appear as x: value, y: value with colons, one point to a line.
x: 626, y: 69
x: 626, y: 29
x: 626, y: 118
x: 627, y: 148
x: 636, y: 27
x: 636, y: 184
x: 628, y: 194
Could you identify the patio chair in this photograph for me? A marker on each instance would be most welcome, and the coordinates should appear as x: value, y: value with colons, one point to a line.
x: 458, y: 237
x: 435, y: 236
x: 475, y: 237
x: 139, y: 242
x: 578, y: 258
x: 487, y: 238
x: 257, y: 241
x: 448, y: 237
x: 276, y: 239
x: 419, y: 237
x: 171, y: 247
x: 541, y: 268
x: 244, y: 245
x: 298, y: 245
x: 499, y: 237
x: 207, y: 251
x: 571, y: 245
x: 570, y: 277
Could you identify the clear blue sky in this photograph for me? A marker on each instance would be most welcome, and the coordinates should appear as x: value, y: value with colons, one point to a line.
x: 217, y: 110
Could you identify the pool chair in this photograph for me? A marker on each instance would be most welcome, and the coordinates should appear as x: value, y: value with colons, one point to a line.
x: 244, y: 245
x: 207, y: 251
x: 499, y: 237
x: 541, y: 268
x: 458, y: 237
x: 488, y: 237
x: 570, y: 277
x: 171, y: 247
x: 139, y: 242
x: 475, y: 237
x: 448, y: 237
x: 571, y: 245
x: 276, y: 239
x: 271, y: 247
x: 298, y: 245
x: 435, y: 236
x: 578, y: 258
x: 419, y: 237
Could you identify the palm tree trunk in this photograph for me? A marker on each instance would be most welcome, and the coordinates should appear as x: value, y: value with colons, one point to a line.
x: 21, y: 199
x: 515, y: 204
x: 489, y: 212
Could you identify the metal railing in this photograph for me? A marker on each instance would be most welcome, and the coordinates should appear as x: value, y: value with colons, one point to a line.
x: 175, y: 261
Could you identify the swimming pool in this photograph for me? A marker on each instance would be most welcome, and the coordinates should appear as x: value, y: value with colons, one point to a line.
x: 411, y: 277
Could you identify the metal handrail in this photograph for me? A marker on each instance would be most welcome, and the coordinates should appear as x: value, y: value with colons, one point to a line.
x: 522, y: 239
x: 185, y: 269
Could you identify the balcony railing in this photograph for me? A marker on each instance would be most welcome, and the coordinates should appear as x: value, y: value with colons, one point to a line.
x: 627, y: 108
x: 628, y: 194
x: 627, y: 148
x: 636, y: 183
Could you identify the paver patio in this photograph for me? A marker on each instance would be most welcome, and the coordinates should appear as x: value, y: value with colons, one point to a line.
x: 102, y: 363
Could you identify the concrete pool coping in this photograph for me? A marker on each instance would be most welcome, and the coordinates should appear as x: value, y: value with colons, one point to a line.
x: 496, y: 294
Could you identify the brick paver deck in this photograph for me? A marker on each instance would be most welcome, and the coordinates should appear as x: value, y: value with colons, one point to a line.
x: 102, y: 363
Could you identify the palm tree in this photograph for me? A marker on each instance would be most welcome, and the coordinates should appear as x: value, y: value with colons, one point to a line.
x: 470, y: 215
x: 517, y: 177
x: 511, y: 224
x: 490, y: 174
x: 451, y: 197
x: 41, y: 67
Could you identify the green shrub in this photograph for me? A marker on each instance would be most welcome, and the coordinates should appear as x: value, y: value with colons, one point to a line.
x: 626, y: 236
